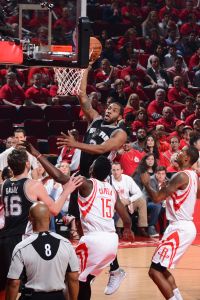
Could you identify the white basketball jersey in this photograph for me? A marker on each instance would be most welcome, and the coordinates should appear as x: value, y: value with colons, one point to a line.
x: 180, y: 205
x: 97, y: 209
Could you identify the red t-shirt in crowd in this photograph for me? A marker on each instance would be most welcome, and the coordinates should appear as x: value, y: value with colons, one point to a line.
x: 139, y: 91
x: 190, y: 119
x: 194, y: 61
x: 137, y: 72
x: 129, y: 160
x: 174, y: 94
x: 38, y: 95
x: 14, y: 94
x: 169, y: 126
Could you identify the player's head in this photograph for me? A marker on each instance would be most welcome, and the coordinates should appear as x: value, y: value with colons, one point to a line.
x: 187, y: 156
x: 101, y: 167
x: 18, y: 161
x: 113, y: 113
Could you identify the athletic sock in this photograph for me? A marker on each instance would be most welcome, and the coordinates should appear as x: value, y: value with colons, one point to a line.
x: 177, y: 294
x: 172, y: 298
x: 114, y: 265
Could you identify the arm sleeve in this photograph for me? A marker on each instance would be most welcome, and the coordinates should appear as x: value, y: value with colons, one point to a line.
x: 135, y: 191
x: 75, y: 160
x: 73, y: 265
x: 16, y: 266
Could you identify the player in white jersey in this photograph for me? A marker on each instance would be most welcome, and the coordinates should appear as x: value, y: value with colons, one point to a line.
x: 181, y: 194
x: 97, y: 200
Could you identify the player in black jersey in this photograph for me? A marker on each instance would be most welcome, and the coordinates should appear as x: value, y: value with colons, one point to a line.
x: 18, y: 194
x: 104, y: 135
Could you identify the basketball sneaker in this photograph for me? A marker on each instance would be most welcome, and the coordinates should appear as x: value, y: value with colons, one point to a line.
x: 115, y: 279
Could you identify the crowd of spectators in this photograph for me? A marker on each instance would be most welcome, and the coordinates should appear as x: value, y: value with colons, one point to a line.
x: 150, y: 64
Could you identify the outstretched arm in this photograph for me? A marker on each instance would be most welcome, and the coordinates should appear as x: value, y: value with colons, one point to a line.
x: 85, y: 103
x: 114, y: 143
x: 179, y: 181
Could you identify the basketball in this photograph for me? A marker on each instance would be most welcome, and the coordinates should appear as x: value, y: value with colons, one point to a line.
x: 95, y: 48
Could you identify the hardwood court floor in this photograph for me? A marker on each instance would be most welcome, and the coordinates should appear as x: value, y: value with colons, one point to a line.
x: 138, y: 286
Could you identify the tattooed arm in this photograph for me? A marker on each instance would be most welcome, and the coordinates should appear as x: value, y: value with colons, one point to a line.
x: 85, y: 103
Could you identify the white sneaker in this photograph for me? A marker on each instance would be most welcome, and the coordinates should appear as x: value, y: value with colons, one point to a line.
x: 114, y: 281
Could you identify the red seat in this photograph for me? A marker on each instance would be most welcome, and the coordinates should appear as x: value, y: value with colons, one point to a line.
x: 53, y: 149
x: 74, y: 112
x: 56, y: 112
x: 8, y: 112
x: 30, y: 112
x: 58, y: 126
x: 37, y: 128
x: 6, y: 128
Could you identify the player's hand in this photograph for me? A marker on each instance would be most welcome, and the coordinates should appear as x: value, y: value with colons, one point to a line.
x: 145, y: 178
x: 66, y: 140
x: 73, y: 183
x: 29, y: 147
x: 128, y: 235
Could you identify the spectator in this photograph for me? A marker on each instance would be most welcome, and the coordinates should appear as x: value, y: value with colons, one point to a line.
x: 19, y: 136
x: 189, y: 108
x: 167, y: 120
x: 196, y: 126
x: 109, y: 52
x: 37, y: 95
x: 185, y: 141
x: 133, y: 69
x: 10, y: 142
x: 178, y: 70
x: 157, y: 73
x: 131, y: 196
x: 170, y: 57
x: 178, y: 129
x: 135, y: 88
x: 155, y: 107
x: 147, y: 164
x: 12, y: 93
x: 190, y: 44
x: 154, y: 209
x: 140, y: 120
x: 173, y: 167
x: 105, y: 75
x: 196, y: 115
x: 177, y: 95
x: 174, y: 148
x: 67, y: 21
x: 139, y: 144
x: 190, y: 26
x: 71, y: 155
x: 169, y: 9
x: 129, y: 15
x: 117, y: 92
x: 112, y: 13
x: 194, y: 62
x: 151, y: 146
x: 128, y: 37
x: 129, y: 158
x: 132, y: 106
x: 151, y: 22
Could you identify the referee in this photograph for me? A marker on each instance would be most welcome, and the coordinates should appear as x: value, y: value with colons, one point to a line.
x: 48, y: 260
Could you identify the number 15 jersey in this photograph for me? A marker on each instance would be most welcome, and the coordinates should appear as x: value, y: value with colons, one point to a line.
x: 97, y: 209
x: 16, y: 207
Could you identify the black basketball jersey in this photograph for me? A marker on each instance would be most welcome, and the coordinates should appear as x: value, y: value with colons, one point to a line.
x: 96, y: 134
x: 16, y: 207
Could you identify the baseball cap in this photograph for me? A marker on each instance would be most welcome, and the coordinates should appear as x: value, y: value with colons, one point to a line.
x: 179, y: 122
x: 187, y: 127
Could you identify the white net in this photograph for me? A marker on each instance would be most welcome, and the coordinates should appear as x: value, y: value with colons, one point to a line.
x: 69, y: 80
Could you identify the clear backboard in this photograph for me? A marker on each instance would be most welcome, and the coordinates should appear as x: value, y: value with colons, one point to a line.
x: 52, y: 33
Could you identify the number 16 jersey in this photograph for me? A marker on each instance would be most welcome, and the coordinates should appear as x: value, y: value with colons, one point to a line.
x: 97, y: 209
x: 16, y: 207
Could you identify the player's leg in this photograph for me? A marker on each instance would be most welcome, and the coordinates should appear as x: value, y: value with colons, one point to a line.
x: 171, y: 280
x: 2, y: 295
x: 116, y: 276
x: 85, y: 288
x: 156, y: 273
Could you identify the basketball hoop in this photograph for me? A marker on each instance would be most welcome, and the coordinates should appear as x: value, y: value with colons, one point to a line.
x: 69, y: 80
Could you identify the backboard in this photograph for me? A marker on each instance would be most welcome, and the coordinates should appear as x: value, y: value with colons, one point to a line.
x: 52, y: 33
